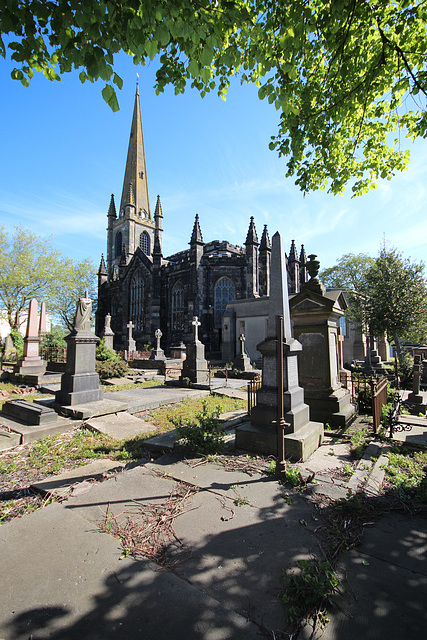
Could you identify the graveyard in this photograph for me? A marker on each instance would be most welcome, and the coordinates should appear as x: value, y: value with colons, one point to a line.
x: 210, y: 490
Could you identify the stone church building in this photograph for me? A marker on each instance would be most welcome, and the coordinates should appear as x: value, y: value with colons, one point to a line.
x: 138, y: 284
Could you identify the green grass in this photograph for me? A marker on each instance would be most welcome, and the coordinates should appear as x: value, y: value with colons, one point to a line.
x: 406, y: 474
x: 132, y: 385
x: 167, y: 417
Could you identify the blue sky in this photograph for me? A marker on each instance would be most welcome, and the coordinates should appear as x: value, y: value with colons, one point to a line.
x: 64, y: 153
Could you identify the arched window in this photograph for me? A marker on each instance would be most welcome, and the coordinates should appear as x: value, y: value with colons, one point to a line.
x: 118, y: 252
x: 136, y: 301
x: 177, y: 307
x: 224, y: 292
x: 144, y: 243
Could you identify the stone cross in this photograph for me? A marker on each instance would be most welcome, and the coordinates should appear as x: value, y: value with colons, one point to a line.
x: 196, y: 324
x: 158, y: 334
x: 130, y: 326
x: 242, y: 343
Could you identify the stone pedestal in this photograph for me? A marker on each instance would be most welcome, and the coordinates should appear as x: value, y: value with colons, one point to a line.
x: 195, y: 367
x: 302, y: 437
x: 80, y: 382
x: 178, y: 352
x: 31, y: 363
x: 315, y: 314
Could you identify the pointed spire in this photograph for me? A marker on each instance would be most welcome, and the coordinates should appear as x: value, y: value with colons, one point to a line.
x: 302, y: 255
x: 135, y: 171
x: 130, y: 200
x: 158, y: 213
x: 196, y: 236
x: 252, y: 237
x: 265, y: 240
x: 102, y: 271
x: 293, y: 255
x: 112, y: 208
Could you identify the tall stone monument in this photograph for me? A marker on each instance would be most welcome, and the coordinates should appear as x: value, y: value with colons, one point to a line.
x: 42, y: 323
x: 315, y: 314
x: 302, y: 436
x: 195, y: 367
x: 80, y: 382
x: 130, y: 343
x: 31, y: 364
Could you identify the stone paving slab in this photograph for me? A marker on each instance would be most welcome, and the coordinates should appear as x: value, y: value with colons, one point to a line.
x: 64, y: 580
x: 64, y: 484
x: 153, y: 397
x: 416, y: 436
x: 120, y: 425
x: 8, y: 439
x: 102, y: 407
x: 386, y: 584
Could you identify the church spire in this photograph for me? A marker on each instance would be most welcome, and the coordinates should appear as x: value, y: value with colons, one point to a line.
x: 196, y: 236
x: 112, y: 208
x: 135, y: 171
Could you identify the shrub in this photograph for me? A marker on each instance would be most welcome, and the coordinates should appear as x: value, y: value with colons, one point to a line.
x: 204, y: 435
x: 105, y: 354
x: 115, y: 369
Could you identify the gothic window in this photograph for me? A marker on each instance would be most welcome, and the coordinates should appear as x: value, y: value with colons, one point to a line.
x: 144, y: 243
x: 224, y: 292
x: 118, y: 252
x: 136, y: 301
x: 177, y: 307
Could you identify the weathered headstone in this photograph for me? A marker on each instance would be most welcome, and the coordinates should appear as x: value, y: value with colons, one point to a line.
x: 158, y: 353
x: 195, y: 367
x: 241, y: 361
x: 302, y: 436
x: 80, y: 382
x: 315, y: 314
x: 107, y: 332
x: 9, y: 348
x: 31, y: 364
x: 29, y: 412
x: 130, y: 344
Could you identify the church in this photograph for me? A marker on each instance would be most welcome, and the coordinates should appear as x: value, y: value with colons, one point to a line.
x: 138, y: 284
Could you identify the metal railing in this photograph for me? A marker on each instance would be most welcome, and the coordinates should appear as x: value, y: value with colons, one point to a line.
x: 253, y: 386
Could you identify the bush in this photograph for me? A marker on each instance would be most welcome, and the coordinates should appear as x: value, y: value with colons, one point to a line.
x: 108, y: 369
x: 205, y: 437
x: 54, y: 339
x: 105, y: 354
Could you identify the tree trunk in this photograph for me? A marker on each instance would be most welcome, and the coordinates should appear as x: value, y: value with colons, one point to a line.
x: 398, y: 347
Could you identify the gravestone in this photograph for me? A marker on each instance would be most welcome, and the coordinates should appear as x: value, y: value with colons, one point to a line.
x: 130, y: 343
x: 195, y: 366
x: 107, y: 332
x: 241, y: 361
x: 29, y: 412
x: 315, y: 314
x: 416, y: 398
x: 158, y: 353
x: 302, y: 436
x: 9, y: 348
x: 31, y: 364
x: 80, y: 382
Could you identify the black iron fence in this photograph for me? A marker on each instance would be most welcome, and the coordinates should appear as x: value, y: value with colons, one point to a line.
x: 253, y: 387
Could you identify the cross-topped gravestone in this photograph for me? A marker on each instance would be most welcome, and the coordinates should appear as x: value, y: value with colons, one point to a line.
x: 158, y: 354
x: 241, y: 361
x: 131, y: 346
x: 196, y: 324
x: 242, y: 343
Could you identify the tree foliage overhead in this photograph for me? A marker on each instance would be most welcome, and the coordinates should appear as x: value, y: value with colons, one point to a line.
x: 345, y: 75
x: 31, y: 268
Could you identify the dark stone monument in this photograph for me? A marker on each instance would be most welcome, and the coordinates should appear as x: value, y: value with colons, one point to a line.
x: 29, y: 412
x: 195, y: 366
x: 302, y: 437
x: 416, y: 398
x: 80, y: 382
x: 315, y: 314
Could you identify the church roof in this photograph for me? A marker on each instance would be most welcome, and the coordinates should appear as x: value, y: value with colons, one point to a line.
x: 136, y: 172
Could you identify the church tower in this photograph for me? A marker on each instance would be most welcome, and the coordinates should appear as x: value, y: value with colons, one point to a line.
x: 132, y: 226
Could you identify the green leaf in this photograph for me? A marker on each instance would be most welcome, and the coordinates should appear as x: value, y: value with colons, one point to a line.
x: 109, y: 95
x: 118, y: 81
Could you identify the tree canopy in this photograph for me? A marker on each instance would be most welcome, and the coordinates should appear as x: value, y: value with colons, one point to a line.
x: 391, y: 293
x: 31, y: 268
x: 347, y: 76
